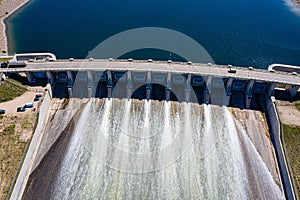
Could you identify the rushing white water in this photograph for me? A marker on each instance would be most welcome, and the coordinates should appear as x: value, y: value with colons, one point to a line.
x: 292, y: 6
x: 126, y: 149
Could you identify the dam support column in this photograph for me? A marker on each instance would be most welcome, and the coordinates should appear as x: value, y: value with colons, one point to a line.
x: 29, y: 76
x: 168, y: 87
x: 50, y: 77
x: 188, y: 88
x: 249, y: 93
x: 70, y: 83
x: 51, y: 80
x: 207, y: 90
x: 148, y: 86
x: 70, y: 91
x: 109, y: 84
x: 90, y: 85
x: 293, y: 89
x: 270, y: 89
x: 129, y: 85
x: 228, y: 91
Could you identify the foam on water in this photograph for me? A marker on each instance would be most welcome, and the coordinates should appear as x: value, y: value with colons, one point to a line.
x: 292, y: 6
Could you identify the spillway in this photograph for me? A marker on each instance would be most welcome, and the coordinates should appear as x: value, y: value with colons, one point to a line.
x: 139, y: 149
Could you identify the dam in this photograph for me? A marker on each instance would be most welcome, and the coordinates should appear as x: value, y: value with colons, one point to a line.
x: 193, y: 82
x: 123, y: 129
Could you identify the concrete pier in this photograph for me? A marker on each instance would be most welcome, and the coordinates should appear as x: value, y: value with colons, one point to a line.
x: 168, y: 87
x: 129, y: 85
x: 207, y: 90
x: 109, y: 85
x: 293, y: 89
x: 249, y: 93
x: 90, y: 85
x: 148, y: 86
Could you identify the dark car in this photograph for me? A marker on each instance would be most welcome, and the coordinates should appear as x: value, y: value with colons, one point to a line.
x: 2, y: 111
x: 4, y: 65
x: 38, y: 95
x: 21, y: 109
x: 37, y: 98
x: 231, y: 70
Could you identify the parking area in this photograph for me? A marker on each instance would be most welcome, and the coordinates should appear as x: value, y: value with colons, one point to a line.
x: 10, y: 107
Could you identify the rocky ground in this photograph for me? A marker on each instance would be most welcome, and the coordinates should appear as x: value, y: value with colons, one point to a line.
x: 15, y: 131
x: 288, y: 113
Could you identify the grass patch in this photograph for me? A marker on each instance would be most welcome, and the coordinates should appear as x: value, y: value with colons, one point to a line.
x: 292, y: 143
x: 9, y: 91
x: 4, y: 59
x: 297, y: 104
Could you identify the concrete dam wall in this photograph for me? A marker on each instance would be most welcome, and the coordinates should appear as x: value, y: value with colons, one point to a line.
x: 161, y: 86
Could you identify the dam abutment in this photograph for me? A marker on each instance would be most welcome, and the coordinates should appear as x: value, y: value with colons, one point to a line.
x: 276, y: 138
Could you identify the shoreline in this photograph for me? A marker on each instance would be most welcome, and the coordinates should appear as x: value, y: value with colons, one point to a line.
x: 297, y: 2
x: 7, y: 8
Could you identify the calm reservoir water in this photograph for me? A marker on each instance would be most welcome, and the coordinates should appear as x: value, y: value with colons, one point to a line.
x: 245, y: 32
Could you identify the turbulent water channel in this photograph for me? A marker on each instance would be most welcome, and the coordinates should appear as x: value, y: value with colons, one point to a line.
x: 129, y: 149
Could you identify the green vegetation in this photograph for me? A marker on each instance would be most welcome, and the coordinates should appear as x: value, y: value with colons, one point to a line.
x: 297, y: 104
x: 292, y: 143
x: 9, y: 91
x: 4, y: 59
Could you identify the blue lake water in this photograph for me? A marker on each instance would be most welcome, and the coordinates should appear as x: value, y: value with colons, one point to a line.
x: 238, y: 32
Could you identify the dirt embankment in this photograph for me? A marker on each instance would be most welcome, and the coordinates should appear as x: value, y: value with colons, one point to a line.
x: 288, y: 113
x: 15, y: 131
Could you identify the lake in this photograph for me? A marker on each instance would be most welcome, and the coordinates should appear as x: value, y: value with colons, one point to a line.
x: 243, y: 33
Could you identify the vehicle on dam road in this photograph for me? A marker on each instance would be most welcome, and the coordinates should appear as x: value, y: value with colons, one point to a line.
x: 231, y: 70
x: 13, y: 64
x: 2, y: 111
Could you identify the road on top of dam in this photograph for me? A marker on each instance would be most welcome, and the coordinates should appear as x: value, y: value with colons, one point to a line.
x: 160, y: 67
